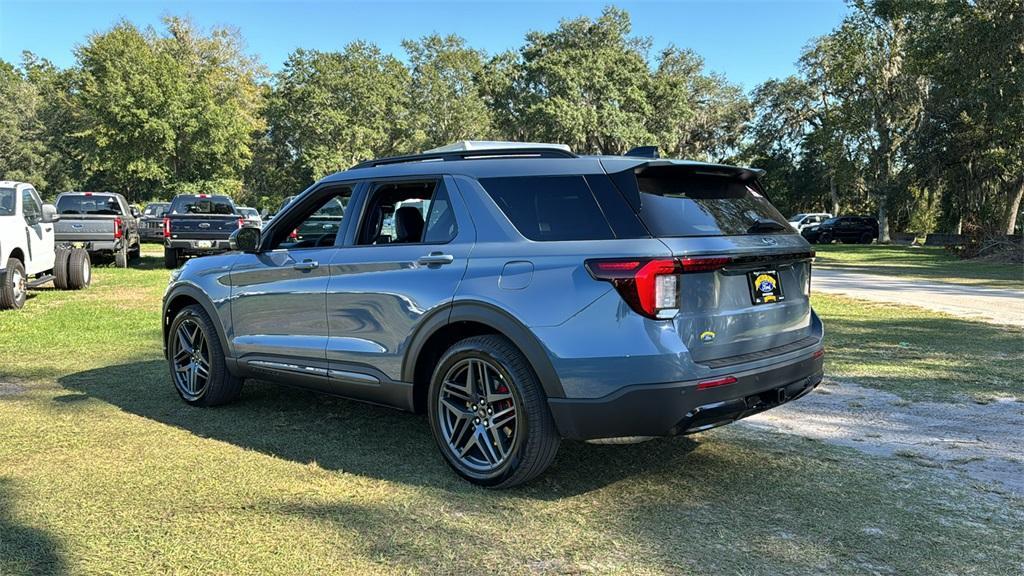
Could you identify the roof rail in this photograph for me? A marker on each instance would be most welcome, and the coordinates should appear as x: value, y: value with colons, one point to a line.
x: 526, y: 151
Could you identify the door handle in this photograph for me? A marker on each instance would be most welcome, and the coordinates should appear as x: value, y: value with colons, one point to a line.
x: 436, y: 258
x: 306, y: 265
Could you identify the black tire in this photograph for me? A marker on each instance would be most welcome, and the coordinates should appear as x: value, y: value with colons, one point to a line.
x: 171, y: 259
x: 825, y: 239
x: 220, y: 386
x: 535, y: 441
x: 60, y: 269
x: 121, y: 257
x: 866, y: 238
x: 135, y: 253
x: 13, y: 290
x: 79, y: 269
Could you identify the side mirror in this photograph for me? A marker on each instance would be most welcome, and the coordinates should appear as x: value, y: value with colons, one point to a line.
x: 246, y: 239
x: 50, y: 214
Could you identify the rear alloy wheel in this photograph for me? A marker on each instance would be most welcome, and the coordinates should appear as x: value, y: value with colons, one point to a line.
x: 489, y: 415
x: 196, y: 360
x: 13, y: 287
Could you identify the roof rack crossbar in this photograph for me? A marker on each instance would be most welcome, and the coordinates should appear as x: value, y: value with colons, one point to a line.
x: 468, y: 154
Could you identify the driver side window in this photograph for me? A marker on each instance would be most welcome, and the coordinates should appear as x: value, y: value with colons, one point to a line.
x: 315, y: 222
x: 30, y: 207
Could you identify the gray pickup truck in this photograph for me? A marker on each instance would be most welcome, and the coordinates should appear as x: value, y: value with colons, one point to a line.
x: 103, y: 223
x: 198, y: 225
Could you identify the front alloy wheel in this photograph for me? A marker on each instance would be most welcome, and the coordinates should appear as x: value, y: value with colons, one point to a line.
x: 191, y: 358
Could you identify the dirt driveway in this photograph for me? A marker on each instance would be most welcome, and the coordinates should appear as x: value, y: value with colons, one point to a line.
x: 996, y: 305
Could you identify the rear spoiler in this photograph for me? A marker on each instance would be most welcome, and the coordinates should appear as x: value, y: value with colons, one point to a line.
x: 624, y: 177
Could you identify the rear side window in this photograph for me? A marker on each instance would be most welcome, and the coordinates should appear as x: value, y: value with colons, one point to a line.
x: 201, y: 205
x: 685, y: 202
x: 88, y: 204
x: 549, y: 208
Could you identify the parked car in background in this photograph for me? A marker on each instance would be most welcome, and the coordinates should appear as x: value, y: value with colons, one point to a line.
x: 524, y: 294
x: 251, y: 215
x: 198, y: 225
x: 801, y: 221
x: 846, y: 229
x: 151, y: 223
x: 29, y: 257
x: 103, y: 223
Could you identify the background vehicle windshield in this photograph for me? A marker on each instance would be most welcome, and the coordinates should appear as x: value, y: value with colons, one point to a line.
x: 156, y: 210
x: 6, y: 201
x: 830, y: 221
x: 201, y: 205
x: 248, y: 212
x: 797, y: 217
x: 88, y: 204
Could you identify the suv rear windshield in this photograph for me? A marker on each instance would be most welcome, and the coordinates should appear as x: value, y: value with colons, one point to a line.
x: 549, y: 208
x: 681, y: 201
x: 88, y: 204
x: 202, y: 205
x: 155, y: 210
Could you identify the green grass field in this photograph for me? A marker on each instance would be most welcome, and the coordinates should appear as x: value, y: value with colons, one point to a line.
x: 930, y: 263
x: 104, y: 470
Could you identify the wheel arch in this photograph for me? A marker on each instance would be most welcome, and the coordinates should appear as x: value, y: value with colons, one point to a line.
x: 464, y: 319
x: 186, y: 295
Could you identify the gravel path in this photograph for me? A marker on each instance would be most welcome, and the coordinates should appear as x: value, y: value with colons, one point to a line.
x: 996, y: 305
x: 980, y: 442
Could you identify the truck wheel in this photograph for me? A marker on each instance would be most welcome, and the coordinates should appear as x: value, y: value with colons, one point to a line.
x: 79, y: 269
x: 60, y: 269
x: 170, y: 258
x: 135, y: 253
x: 13, y: 290
x: 121, y: 257
x: 196, y: 360
x: 489, y: 415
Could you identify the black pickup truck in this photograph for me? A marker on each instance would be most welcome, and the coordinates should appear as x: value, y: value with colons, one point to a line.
x: 101, y: 222
x: 197, y: 225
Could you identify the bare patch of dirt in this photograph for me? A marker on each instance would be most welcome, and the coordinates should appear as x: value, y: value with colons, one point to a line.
x: 10, y: 389
x: 980, y: 442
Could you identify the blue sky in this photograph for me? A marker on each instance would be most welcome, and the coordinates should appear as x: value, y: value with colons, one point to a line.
x: 747, y: 41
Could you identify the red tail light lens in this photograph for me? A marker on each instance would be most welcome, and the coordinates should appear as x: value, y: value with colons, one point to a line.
x: 716, y: 383
x: 241, y: 222
x: 294, y: 235
x: 651, y: 285
x: 167, y: 227
x: 118, y: 228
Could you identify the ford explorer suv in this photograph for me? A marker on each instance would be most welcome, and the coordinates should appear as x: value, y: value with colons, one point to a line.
x: 103, y: 223
x: 523, y: 295
x: 28, y: 255
x: 198, y: 225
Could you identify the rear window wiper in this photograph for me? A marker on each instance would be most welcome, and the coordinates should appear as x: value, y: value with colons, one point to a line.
x: 765, y: 225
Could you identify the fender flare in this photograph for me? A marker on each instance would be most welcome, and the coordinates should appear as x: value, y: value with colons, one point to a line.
x: 499, y: 320
x: 199, y: 296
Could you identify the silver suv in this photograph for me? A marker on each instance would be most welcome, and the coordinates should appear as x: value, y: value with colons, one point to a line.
x: 521, y: 295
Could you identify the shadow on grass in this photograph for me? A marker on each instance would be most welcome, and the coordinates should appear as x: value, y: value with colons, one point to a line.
x: 338, y: 434
x: 24, y: 550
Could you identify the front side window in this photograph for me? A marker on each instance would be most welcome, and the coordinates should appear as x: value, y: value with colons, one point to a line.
x: 315, y: 225
x: 30, y: 207
x: 407, y: 213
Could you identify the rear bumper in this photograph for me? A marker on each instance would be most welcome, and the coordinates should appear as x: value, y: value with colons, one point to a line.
x: 89, y: 245
x: 680, y: 408
x: 193, y: 246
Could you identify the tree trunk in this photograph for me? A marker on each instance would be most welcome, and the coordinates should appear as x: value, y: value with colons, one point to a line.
x: 1014, y: 192
x: 883, y: 223
x: 833, y: 193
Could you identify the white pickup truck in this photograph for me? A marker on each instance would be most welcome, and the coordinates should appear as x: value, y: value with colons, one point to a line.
x: 27, y: 255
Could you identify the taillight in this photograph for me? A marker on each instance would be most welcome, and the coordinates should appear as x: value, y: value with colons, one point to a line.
x: 167, y: 227
x: 651, y: 285
x: 294, y: 235
x: 118, y: 232
x: 241, y: 222
x: 716, y: 383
